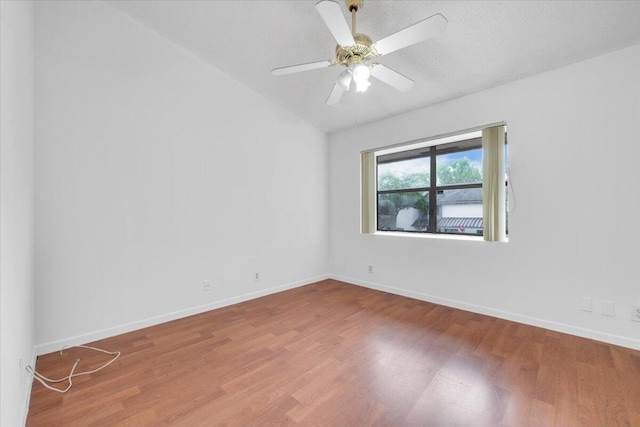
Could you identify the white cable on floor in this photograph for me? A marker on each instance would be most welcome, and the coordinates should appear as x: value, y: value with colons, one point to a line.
x: 71, y: 375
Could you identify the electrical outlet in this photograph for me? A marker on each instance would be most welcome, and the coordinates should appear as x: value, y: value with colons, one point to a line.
x: 635, y: 313
x: 256, y: 276
x: 586, y: 304
x: 371, y: 269
x: 206, y: 285
x: 608, y: 308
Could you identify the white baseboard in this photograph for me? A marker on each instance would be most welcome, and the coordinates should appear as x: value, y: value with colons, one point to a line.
x: 129, y: 327
x: 144, y: 323
x: 515, y: 317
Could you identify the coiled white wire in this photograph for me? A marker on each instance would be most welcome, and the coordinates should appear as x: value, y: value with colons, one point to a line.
x: 43, y: 380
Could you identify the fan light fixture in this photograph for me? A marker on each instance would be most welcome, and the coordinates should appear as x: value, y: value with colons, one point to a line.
x: 344, y: 80
x: 361, y: 75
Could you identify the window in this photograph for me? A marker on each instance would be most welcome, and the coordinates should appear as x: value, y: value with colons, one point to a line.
x: 437, y: 186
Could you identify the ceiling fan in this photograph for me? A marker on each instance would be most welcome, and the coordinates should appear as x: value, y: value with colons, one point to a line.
x: 356, y: 51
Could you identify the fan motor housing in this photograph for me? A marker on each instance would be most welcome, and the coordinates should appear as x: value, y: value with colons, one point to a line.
x: 362, y: 50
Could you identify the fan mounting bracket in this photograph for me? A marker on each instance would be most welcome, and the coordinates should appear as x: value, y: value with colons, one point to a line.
x: 353, y: 5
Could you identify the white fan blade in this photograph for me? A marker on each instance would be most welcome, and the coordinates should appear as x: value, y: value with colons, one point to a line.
x: 430, y: 27
x: 335, y: 94
x: 392, y: 78
x: 331, y: 13
x: 301, y: 67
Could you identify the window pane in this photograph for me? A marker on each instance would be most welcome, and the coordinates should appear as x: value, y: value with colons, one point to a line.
x: 404, y: 174
x: 406, y: 211
x: 460, y: 211
x: 461, y: 167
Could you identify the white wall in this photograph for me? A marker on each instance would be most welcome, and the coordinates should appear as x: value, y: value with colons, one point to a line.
x: 154, y: 172
x: 574, y: 152
x: 16, y: 208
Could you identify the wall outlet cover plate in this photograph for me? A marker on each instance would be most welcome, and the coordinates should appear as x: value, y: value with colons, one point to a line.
x: 608, y: 308
x: 586, y: 303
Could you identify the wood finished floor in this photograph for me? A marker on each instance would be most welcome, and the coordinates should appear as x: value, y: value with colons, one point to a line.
x: 333, y: 354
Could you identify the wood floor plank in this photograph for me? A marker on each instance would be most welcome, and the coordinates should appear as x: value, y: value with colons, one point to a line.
x: 334, y: 354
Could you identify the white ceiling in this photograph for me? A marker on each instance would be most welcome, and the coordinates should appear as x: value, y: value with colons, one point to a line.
x: 487, y: 43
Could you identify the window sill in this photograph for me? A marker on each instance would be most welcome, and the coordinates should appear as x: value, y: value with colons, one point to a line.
x: 433, y: 236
